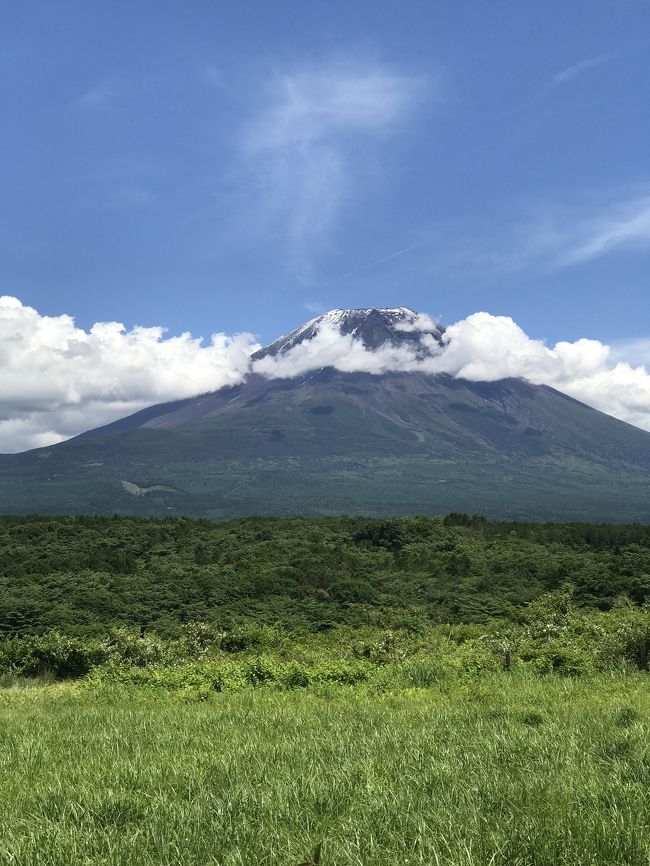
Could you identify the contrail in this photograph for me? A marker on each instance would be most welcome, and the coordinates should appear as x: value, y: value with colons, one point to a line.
x: 382, y: 260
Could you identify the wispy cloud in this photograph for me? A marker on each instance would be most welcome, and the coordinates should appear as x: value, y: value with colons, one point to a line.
x: 314, y: 307
x: 579, y: 68
x: 301, y: 151
x: 633, y: 351
x: 128, y: 197
x: 552, y: 236
x: 624, y: 226
x: 96, y: 98
x: 213, y: 76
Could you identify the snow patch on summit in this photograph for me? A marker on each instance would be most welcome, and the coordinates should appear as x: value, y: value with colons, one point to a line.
x: 480, y: 348
x: 371, y: 340
x: 373, y: 327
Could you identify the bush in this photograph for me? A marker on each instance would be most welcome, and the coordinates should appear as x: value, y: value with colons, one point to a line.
x: 61, y: 656
x: 295, y: 676
x: 197, y: 639
x: 133, y: 648
x: 261, y: 671
x: 346, y: 673
x: 249, y: 637
x: 387, y: 648
x: 563, y: 659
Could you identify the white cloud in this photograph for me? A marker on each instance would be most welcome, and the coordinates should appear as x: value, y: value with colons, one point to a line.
x: 330, y: 348
x: 420, y: 322
x: 129, y: 197
x: 96, y: 98
x: 579, y: 68
x: 555, y: 236
x: 57, y: 380
x: 301, y: 152
x: 632, y: 351
x: 483, y: 347
x: 624, y: 225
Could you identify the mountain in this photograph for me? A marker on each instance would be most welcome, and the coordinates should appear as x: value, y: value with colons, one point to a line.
x: 329, y: 442
x: 374, y: 327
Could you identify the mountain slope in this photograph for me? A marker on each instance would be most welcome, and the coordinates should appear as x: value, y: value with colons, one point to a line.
x: 329, y: 442
x: 374, y: 327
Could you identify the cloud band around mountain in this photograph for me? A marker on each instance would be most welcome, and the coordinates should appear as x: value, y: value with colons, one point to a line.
x: 58, y: 380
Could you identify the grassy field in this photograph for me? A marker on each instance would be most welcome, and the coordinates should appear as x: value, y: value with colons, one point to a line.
x: 490, y: 771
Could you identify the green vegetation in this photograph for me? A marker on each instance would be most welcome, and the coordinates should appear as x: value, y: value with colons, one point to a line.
x: 347, y: 443
x: 505, y: 770
x: 84, y: 575
x: 414, y: 691
x: 509, y: 487
x: 549, y: 636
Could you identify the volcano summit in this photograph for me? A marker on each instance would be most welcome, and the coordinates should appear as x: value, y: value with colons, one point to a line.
x: 348, y: 414
x: 373, y: 327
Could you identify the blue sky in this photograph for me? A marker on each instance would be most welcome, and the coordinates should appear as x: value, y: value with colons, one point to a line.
x: 235, y: 166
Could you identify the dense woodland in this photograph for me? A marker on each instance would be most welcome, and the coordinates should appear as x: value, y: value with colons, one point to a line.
x: 85, y: 575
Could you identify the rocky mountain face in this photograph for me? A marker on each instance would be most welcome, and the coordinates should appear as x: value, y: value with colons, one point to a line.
x: 375, y: 327
x: 329, y: 442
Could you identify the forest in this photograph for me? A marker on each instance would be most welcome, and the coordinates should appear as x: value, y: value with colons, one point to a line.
x: 293, y: 601
x: 85, y: 575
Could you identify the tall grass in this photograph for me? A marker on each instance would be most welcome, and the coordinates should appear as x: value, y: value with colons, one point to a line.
x: 506, y: 771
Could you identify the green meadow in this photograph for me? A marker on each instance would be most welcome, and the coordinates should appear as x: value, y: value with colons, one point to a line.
x: 504, y: 769
x: 337, y: 693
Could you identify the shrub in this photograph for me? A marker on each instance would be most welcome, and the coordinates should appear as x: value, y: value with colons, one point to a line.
x: 249, y: 637
x: 260, y: 671
x: 563, y: 659
x: 346, y: 673
x: 198, y: 638
x: 61, y: 656
x: 295, y: 676
x: 131, y: 647
x: 389, y: 647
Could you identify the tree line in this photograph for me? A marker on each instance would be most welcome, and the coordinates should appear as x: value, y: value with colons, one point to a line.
x: 88, y: 575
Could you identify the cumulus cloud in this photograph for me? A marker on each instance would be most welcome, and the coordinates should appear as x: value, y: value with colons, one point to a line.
x: 486, y: 348
x: 330, y: 348
x: 301, y: 151
x: 419, y: 322
x: 57, y: 380
x: 483, y: 347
